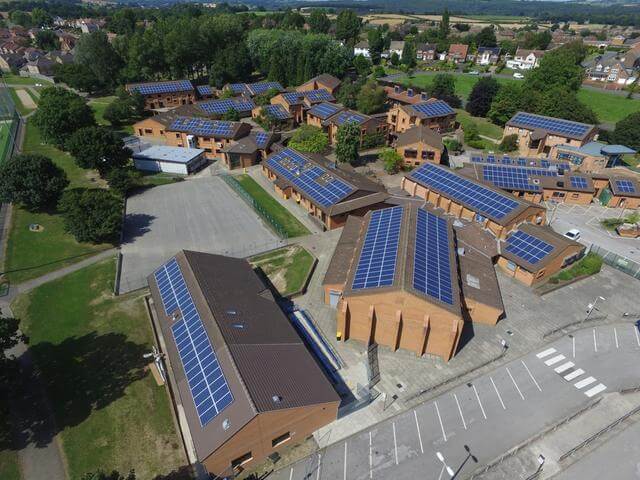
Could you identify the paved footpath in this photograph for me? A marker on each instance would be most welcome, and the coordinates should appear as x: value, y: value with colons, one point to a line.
x: 490, y: 415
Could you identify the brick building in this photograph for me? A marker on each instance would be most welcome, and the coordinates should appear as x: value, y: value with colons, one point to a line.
x: 435, y: 114
x: 322, y: 81
x: 297, y: 103
x: 249, y: 150
x: 370, y: 126
x: 419, y: 145
x: 592, y: 157
x: 159, y: 95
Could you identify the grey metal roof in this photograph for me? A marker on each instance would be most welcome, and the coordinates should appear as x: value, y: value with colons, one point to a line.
x: 164, y: 153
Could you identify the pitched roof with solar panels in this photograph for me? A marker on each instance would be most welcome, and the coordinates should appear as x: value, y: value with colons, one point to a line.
x: 624, y: 186
x: 277, y: 111
x: 204, y: 90
x: 332, y: 189
x: 230, y: 350
x: 487, y: 201
x: 310, y: 97
x: 221, y: 106
x: 152, y: 88
x: 348, y: 116
x: 408, y: 248
x: 205, y: 127
x: 550, y: 125
x: 324, y: 110
x: 522, y: 161
x: 532, y: 247
x: 430, y: 109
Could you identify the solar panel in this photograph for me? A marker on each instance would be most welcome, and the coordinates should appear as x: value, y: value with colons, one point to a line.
x: 261, y: 139
x: 432, y: 266
x: 511, y: 178
x: 377, y: 263
x: 209, y: 388
x: 293, y: 97
x: 320, y: 95
x: 261, y: 87
x: 238, y: 88
x: 163, y: 87
x: 477, y: 196
x: 277, y: 111
x: 578, y: 182
x: 554, y: 125
x: 349, y: 117
x: 204, y: 90
x: 220, y: 107
x: 315, y: 181
x: 625, y: 186
x: 203, y: 127
x: 527, y: 247
x: 324, y: 110
x: 439, y: 108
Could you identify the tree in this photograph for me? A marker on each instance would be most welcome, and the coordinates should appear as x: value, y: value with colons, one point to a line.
x: 10, y: 336
x: 98, y: 148
x: 265, y: 98
x: 391, y: 160
x: 18, y: 17
x: 318, y: 21
x: 348, y: 142
x: 443, y: 30
x: 309, y: 139
x: 627, y: 131
x: 123, y: 21
x: 32, y: 181
x: 41, y: 18
x: 293, y: 19
x: 376, y: 44
x: 372, y: 98
x: 231, y: 65
x: 486, y: 37
x: 122, y: 180
x: 481, y: 96
x: 348, y: 93
x: 47, y: 40
x: 362, y: 65
x: 443, y: 87
x: 509, y: 143
x: 95, y: 51
x: 409, y: 53
x: 118, y: 112
x: 510, y: 99
x: 91, y: 215
x: 267, y: 120
x: 76, y: 76
x: 395, y: 59
x: 231, y: 115
x: 560, y: 67
x: 462, y: 27
x: 560, y: 102
x: 348, y: 26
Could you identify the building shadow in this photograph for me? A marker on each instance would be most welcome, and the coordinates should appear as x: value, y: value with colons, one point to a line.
x: 468, y: 333
x: 136, y: 225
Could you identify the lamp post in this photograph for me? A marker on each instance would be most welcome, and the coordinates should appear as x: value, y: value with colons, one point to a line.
x: 591, y: 307
x: 446, y: 467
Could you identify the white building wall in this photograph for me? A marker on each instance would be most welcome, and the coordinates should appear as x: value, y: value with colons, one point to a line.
x: 156, y: 166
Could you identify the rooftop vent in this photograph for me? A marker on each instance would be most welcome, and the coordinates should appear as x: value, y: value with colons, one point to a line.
x: 560, y: 184
x: 276, y: 399
x: 232, y: 312
x: 458, y: 223
x: 424, y: 96
x: 410, y: 92
x: 396, y: 89
x: 536, y: 181
x: 226, y: 424
x: 461, y: 251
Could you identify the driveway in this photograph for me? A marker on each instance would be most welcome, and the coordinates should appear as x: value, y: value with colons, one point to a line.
x: 201, y: 214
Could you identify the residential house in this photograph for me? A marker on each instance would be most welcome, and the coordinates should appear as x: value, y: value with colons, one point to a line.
x: 610, y: 68
x: 322, y: 81
x: 618, y: 40
x: 396, y: 95
x: 370, y: 126
x: 426, y: 51
x: 11, y: 61
x: 249, y: 150
x: 458, y: 53
x: 418, y: 145
x: 158, y: 95
x: 362, y: 48
x: 525, y: 59
x: 593, y: 157
x: 41, y: 66
x: 296, y: 103
x: 488, y: 55
x: 396, y: 46
x: 279, y: 115
x: 434, y: 113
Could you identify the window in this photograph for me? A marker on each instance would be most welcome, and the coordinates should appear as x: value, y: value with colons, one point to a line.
x: 540, y: 274
x: 238, y: 462
x: 575, y: 195
x: 410, y: 153
x: 558, y: 194
x: 177, y: 135
x: 280, y: 440
x: 148, y: 131
x: 511, y: 266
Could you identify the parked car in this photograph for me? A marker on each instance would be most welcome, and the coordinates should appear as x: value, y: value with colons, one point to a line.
x: 573, y: 234
x: 518, y: 75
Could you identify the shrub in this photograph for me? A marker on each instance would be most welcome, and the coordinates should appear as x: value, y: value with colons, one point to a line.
x: 391, y: 159
x: 509, y: 143
x: 309, y: 139
x: 588, y: 265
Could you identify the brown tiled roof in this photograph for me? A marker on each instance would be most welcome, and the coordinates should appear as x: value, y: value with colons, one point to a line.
x: 420, y: 133
x: 344, y: 252
x: 458, y: 49
x: 325, y: 79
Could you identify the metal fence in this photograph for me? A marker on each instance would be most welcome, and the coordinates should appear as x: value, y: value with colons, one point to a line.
x: 617, y: 261
x: 9, y: 123
x: 275, y: 225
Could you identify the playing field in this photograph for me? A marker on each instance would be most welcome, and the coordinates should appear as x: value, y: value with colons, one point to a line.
x: 5, y: 129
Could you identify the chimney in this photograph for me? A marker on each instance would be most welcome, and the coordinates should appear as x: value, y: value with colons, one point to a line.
x: 424, y: 96
x: 410, y: 92
x: 396, y: 88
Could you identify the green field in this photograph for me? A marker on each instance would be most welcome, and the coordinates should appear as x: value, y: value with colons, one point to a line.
x: 18, y: 103
x: 89, y: 346
x: 287, y: 268
x: 11, y: 79
x: 291, y: 225
x: 5, y: 129
x: 485, y: 127
x: 99, y: 105
x: 9, y: 462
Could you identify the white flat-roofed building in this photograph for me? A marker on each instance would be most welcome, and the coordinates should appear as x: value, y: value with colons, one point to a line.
x: 160, y: 158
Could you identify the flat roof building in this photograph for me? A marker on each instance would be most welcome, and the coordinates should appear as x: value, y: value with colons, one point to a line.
x: 240, y: 374
x: 160, y: 158
x: 592, y: 157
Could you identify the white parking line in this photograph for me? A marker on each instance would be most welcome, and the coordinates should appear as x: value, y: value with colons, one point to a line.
x: 563, y: 367
x: 595, y: 343
x: 584, y: 382
x: 595, y: 390
x: 370, y: 456
x: 530, y: 374
x: 395, y: 443
x: 464, y: 424
x: 573, y: 347
x: 444, y: 435
x: 479, y: 402
x: 554, y: 360
x: 546, y: 352
x: 514, y: 383
x: 291, y: 474
x: 345, y: 462
x: 419, y: 434
x: 615, y: 335
x: 637, y: 336
x: 574, y: 374
x: 497, y: 393
x: 319, y: 466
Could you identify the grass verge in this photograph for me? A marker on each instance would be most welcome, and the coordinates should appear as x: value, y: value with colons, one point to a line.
x: 88, y: 346
x: 588, y: 265
x: 12, y: 79
x: 287, y: 268
x: 613, y: 223
x: 9, y: 463
x: 289, y: 223
x: 99, y: 105
x: 18, y: 103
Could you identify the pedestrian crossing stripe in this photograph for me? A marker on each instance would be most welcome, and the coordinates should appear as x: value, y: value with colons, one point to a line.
x: 554, y: 360
x: 595, y: 390
x: 564, y: 367
x: 546, y: 352
x: 583, y: 383
x: 574, y: 374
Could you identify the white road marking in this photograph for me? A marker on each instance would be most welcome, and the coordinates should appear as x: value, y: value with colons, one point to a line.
x: 615, y: 335
x: 345, y: 461
x: 291, y: 474
x: 573, y: 347
x: 574, y: 374
x: 637, y: 336
x: 370, y: 456
x: 546, y: 352
x: 564, y: 366
x: 444, y: 435
x: 497, y: 393
x: 595, y: 390
x: 554, y: 360
x: 419, y: 434
x: 319, y: 465
x: 479, y: 402
x: 395, y: 443
x: 514, y: 383
x: 464, y: 424
x: 595, y: 343
x: 584, y: 382
x: 530, y: 374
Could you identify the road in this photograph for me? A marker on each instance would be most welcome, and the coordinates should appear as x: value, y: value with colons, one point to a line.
x: 490, y: 415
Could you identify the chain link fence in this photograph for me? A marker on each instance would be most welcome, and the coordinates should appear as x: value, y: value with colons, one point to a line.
x: 617, y: 261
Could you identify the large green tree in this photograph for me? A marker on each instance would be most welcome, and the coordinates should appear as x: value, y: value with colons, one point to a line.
x: 371, y: 98
x: 375, y: 39
x: 481, y: 96
x: 510, y: 99
x: 409, y: 53
x: 32, y: 181
x: 560, y: 102
x: 98, y: 148
x: 627, y: 131
x: 443, y: 87
x: 309, y: 139
x: 560, y: 67
x: 60, y: 113
x: 232, y: 65
x: 486, y: 37
x: 92, y: 215
x: 443, y: 29
x: 94, y: 51
x: 348, y: 143
x: 348, y: 26
x: 318, y: 21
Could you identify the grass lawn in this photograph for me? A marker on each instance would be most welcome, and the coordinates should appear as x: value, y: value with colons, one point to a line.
x: 485, y: 127
x: 18, y: 80
x: 464, y: 82
x: 99, y: 105
x: 287, y: 268
x: 608, y: 107
x: 290, y: 223
x: 18, y: 103
x: 9, y: 463
x: 89, y: 345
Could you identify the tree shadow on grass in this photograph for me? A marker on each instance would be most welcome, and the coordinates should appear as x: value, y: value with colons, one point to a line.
x: 74, y: 378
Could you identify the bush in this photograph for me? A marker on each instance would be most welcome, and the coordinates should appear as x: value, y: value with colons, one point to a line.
x: 122, y: 180
x: 309, y: 139
x: 588, y: 265
x: 391, y: 159
x: 452, y: 145
x: 92, y: 215
x: 509, y: 143
x: 373, y: 140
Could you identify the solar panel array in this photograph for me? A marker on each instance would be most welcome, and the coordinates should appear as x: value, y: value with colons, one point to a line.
x: 293, y: 97
x: 349, y: 117
x: 222, y: 106
x: 578, y: 182
x: 238, y: 88
x: 625, y: 186
x: 432, y: 265
x: 261, y: 139
x: 320, y: 95
x: 520, y: 161
x: 439, y: 108
x: 209, y: 388
x: 511, y: 178
x: 203, y: 127
x: 204, y: 90
x: 377, y: 263
x: 554, y: 125
x: 277, y: 111
x: 163, y: 87
x: 527, y: 247
x: 310, y: 178
x: 478, y: 197
x: 324, y: 110
x: 261, y: 87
